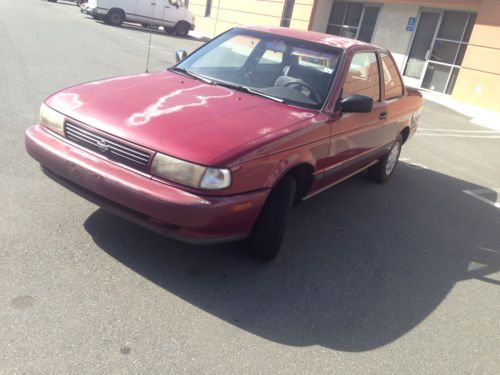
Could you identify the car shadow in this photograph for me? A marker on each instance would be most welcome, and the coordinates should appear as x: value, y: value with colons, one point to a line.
x: 362, y: 264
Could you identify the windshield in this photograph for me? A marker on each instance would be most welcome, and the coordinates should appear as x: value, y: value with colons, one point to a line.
x: 288, y: 70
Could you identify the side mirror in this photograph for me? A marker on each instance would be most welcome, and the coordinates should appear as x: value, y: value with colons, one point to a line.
x: 356, y: 104
x: 180, y: 55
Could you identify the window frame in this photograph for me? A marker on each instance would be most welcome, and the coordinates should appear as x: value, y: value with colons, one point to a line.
x: 208, y: 8
x: 286, y: 16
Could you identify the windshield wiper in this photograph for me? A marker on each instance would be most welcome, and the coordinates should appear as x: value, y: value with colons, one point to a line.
x: 191, y: 74
x: 249, y: 90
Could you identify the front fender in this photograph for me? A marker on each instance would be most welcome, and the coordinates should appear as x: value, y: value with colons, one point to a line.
x: 266, y: 165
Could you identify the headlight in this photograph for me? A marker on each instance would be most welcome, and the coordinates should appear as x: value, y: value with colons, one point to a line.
x: 190, y: 174
x: 52, y: 119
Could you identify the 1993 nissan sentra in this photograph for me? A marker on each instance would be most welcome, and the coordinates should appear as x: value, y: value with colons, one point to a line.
x: 222, y: 145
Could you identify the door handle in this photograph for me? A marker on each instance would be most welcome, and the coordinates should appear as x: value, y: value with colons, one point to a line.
x: 382, y: 116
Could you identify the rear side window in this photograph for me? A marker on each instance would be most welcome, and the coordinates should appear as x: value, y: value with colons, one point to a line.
x: 271, y: 57
x: 363, y: 77
x: 393, y: 84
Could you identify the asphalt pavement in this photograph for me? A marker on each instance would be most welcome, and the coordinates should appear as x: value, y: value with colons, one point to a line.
x: 395, y: 278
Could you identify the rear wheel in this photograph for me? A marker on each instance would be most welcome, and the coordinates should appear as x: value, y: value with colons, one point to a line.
x: 267, y: 234
x: 383, y: 170
x: 115, y: 17
x: 181, y: 29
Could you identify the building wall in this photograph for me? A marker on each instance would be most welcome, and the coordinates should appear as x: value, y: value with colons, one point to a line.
x: 479, y: 79
x: 391, y: 31
x: 226, y: 14
x: 321, y: 16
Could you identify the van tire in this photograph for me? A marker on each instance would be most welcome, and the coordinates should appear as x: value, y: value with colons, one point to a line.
x: 182, y: 28
x: 115, y: 17
x: 267, y: 234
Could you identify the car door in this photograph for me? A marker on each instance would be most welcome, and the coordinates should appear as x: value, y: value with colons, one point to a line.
x: 394, y: 98
x: 357, y: 138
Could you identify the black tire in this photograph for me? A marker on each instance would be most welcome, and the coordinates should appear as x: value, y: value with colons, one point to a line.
x: 115, y: 17
x: 267, y: 234
x: 168, y: 30
x: 382, y: 171
x: 182, y: 29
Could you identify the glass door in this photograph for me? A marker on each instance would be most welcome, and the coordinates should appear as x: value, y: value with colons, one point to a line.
x: 438, y: 49
x: 421, y: 47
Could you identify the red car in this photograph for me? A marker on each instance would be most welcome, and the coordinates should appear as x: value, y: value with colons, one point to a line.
x: 221, y: 146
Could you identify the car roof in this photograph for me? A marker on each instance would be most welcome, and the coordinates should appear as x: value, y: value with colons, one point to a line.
x: 313, y: 36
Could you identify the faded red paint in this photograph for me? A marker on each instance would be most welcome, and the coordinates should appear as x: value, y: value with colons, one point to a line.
x: 259, y: 140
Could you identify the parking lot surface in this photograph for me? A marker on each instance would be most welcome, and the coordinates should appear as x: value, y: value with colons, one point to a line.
x: 395, y: 278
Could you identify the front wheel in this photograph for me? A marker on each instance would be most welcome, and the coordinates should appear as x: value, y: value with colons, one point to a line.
x: 383, y: 170
x: 268, y: 232
x: 182, y: 29
x: 115, y: 17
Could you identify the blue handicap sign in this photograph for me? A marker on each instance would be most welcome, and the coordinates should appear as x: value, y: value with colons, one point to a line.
x: 411, y: 23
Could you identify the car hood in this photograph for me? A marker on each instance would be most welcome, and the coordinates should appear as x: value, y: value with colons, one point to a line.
x: 176, y: 115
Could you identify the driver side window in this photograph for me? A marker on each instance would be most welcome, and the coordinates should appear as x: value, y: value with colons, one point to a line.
x: 363, y: 77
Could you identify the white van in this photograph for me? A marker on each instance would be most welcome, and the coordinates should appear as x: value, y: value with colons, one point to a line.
x: 171, y: 14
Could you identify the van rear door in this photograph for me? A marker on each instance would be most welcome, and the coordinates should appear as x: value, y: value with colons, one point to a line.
x: 151, y: 11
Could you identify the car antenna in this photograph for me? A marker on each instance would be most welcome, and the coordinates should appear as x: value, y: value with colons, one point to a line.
x: 153, y: 4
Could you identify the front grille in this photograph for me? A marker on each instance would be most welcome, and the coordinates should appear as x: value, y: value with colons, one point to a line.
x: 113, y: 150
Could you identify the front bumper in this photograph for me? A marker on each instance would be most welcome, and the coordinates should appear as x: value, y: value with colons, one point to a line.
x: 92, y: 11
x: 158, y: 206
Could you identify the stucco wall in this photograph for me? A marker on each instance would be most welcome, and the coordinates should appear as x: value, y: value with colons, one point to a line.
x: 391, y: 31
x: 479, y: 79
x: 226, y: 14
x: 321, y: 16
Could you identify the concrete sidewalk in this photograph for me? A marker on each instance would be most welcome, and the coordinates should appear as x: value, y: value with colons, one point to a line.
x: 479, y: 116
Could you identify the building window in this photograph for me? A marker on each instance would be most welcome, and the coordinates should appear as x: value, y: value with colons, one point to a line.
x: 208, y: 8
x: 353, y: 20
x: 287, y: 13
